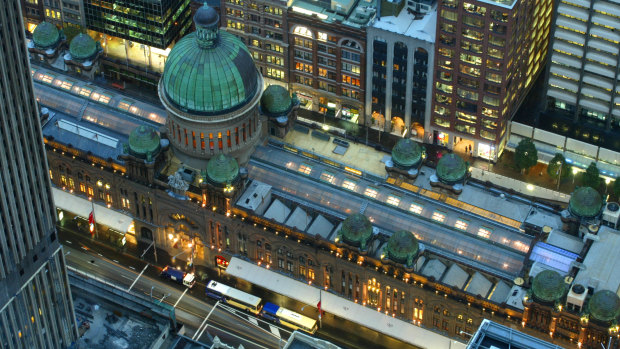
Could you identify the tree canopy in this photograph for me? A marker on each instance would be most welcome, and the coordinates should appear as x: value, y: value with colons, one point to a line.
x: 591, y: 178
x: 558, y: 167
x: 526, y: 155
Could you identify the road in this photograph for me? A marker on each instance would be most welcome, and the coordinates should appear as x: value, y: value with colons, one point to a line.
x: 230, y: 325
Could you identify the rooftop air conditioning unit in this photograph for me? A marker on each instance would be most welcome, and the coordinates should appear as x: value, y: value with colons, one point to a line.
x: 611, y: 215
x: 576, y: 297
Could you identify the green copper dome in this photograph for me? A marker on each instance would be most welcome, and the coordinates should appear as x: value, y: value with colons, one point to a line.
x: 356, y: 230
x: 585, y: 202
x: 604, y: 306
x: 276, y: 101
x: 82, y: 47
x: 548, y: 286
x: 406, y: 153
x: 209, y: 71
x: 45, y: 35
x: 451, y: 168
x: 402, y: 247
x: 222, y: 169
x: 143, y: 140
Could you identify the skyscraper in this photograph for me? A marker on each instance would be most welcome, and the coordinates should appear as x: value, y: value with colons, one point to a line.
x: 35, y: 301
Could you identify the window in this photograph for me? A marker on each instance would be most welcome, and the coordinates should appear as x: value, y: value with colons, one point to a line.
x: 371, y: 192
x: 393, y: 200
x: 351, y: 56
x: 439, y: 216
x: 461, y: 224
x: 348, y: 184
x: 416, y: 208
x: 327, y: 177
x: 484, y: 232
x: 303, y: 31
x: 305, y: 169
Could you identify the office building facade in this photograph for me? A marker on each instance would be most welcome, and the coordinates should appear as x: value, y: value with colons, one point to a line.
x: 488, y: 54
x: 400, y: 62
x: 36, y: 309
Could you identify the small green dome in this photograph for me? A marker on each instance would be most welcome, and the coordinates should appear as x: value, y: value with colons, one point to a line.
x: 82, y: 47
x: 209, y: 71
x: 604, y: 306
x: 548, y: 286
x: 144, y: 140
x: 276, y: 101
x: 451, y: 168
x: 222, y: 169
x: 45, y: 35
x: 402, y: 247
x: 356, y: 230
x: 406, y: 153
x: 585, y: 202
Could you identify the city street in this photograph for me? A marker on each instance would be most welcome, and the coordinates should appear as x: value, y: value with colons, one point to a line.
x: 122, y: 269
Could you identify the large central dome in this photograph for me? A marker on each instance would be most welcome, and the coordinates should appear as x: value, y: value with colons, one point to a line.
x: 208, y: 71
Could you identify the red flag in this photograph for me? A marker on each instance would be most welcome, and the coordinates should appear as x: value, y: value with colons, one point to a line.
x: 318, y: 305
x: 91, y: 222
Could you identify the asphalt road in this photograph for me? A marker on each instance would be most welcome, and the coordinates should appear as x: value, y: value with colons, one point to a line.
x: 191, y: 311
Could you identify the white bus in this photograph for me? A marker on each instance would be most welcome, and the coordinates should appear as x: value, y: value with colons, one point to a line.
x: 288, y: 318
x: 233, y: 297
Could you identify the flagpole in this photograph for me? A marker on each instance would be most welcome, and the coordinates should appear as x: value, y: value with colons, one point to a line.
x: 94, y: 218
x: 320, y: 310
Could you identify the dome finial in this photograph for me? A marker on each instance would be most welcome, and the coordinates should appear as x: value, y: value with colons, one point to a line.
x: 206, y: 21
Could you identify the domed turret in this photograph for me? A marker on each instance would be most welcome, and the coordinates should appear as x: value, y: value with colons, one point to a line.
x: 402, y: 247
x: 406, y: 154
x: 82, y: 47
x: 585, y: 202
x: 276, y: 101
x: 604, y: 306
x: 222, y: 170
x: 45, y: 36
x: 548, y: 286
x: 209, y: 71
x: 451, y: 169
x: 144, y: 142
x: 356, y: 230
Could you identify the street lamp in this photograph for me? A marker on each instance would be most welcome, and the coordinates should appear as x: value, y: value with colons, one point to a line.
x: 575, y: 170
x: 607, y: 181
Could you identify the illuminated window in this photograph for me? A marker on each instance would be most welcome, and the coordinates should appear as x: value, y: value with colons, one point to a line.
x: 371, y: 192
x: 105, y: 99
x: 327, y: 177
x: 484, y: 232
x: 461, y: 224
x: 348, y: 184
x: 393, y: 200
x: 123, y: 106
x: 85, y: 92
x: 66, y: 85
x: 305, y: 169
x: 303, y: 31
x: 416, y: 208
x: 439, y: 216
x: 47, y: 79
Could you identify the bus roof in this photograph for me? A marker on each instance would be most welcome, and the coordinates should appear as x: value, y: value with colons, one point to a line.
x: 296, y: 318
x: 271, y: 308
x: 234, y: 293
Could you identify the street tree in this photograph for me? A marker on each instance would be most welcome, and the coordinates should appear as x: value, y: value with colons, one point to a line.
x: 591, y: 178
x: 616, y: 188
x: 526, y: 155
x: 557, y: 167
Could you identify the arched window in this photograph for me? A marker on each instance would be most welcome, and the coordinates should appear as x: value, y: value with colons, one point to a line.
x: 302, y: 31
x: 351, y: 44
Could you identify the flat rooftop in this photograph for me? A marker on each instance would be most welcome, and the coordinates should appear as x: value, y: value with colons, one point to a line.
x: 406, y: 24
x: 491, y: 335
x: 353, y: 13
x: 601, y: 266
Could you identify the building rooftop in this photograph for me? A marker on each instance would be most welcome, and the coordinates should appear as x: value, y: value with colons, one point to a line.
x: 353, y: 13
x: 493, y: 335
x: 406, y: 24
x: 601, y: 266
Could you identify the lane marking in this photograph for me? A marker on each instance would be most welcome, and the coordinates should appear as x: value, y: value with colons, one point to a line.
x: 199, y: 333
x: 115, y: 260
x: 136, y: 280
x: 253, y: 320
x: 275, y: 331
x: 178, y: 300
x: 130, y: 267
x: 69, y: 242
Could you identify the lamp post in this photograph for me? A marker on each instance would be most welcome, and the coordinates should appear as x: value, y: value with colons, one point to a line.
x: 575, y: 171
x: 607, y: 181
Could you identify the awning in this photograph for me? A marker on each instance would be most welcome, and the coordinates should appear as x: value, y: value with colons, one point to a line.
x: 333, y: 304
x: 82, y: 207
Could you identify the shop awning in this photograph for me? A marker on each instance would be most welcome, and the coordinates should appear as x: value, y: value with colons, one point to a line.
x: 333, y: 304
x: 82, y: 207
